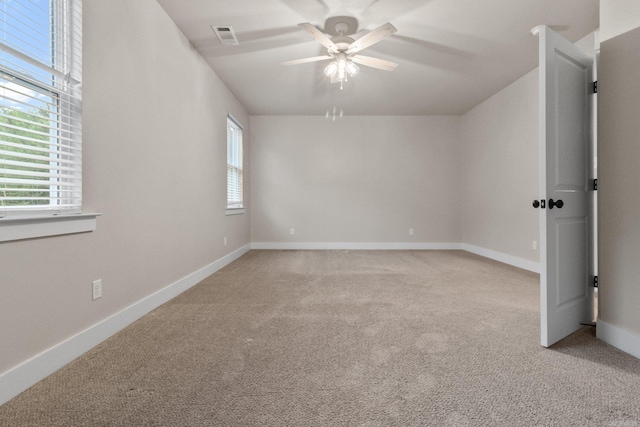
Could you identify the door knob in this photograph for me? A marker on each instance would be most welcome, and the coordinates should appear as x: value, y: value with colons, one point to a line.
x: 557, y: 203
x: 536, y: 204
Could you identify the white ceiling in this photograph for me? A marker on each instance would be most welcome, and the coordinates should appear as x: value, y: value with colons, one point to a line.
x: 452, y: 54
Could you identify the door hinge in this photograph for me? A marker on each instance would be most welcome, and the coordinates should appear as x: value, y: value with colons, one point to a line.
x: 595, y: 185
x: 595, y: 281
x: 595, y: 87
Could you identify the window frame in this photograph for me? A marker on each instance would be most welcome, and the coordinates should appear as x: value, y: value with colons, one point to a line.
x: 236, y: 205
x: 63, y: 212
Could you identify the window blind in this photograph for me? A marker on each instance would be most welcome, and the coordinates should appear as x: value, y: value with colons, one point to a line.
x: 234, y: 164
x: 40, y: 106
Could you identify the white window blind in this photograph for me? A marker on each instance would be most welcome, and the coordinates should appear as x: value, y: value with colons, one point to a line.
x: 40, y: 107
x: 234, y: 164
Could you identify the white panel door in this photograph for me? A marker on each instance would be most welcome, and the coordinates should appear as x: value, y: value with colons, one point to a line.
x: 565, y: 133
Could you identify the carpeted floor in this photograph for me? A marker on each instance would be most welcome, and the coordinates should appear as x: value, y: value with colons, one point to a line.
x: 343, y: 338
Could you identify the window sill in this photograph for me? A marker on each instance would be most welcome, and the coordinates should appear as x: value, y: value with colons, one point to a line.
x: 236, y: 211
x: 34, y: 227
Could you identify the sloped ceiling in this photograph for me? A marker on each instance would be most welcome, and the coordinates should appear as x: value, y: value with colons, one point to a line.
x: 452, y: 54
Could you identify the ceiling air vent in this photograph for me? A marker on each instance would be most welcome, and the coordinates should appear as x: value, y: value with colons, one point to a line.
x: 225, y: 34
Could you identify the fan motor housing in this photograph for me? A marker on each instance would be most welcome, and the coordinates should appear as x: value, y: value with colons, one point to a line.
x: 342, y: 42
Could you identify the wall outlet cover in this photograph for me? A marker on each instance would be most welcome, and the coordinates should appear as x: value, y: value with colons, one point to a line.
x: 97, y: 289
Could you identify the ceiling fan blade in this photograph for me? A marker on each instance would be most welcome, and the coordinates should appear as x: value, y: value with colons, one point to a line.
x: 319, y: 36
x: 305, y: 60
x: 383, y: 31
x: 380, y: 64
x: 359, y: 34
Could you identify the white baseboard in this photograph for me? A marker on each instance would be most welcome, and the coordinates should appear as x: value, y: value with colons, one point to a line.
x: 515, y: 261
x: 30, y: 372
x: 487, y: 253
x: 355, y: 246
x: 622, y: 339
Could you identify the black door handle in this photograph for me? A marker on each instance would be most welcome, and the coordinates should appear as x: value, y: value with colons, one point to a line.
x: 557, y: 203
x: 536, y: 204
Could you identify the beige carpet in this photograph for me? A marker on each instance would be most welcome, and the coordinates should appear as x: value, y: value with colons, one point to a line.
x: 343, y: 338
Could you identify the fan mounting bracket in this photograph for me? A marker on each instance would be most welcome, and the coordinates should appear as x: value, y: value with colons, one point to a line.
x: 348, y: 25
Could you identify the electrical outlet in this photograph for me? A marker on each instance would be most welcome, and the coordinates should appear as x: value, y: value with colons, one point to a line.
x: 293, y: 231
x: 97, y: 289
x: 534, y: 245
x: 411, y: 232
x: 225, y: 241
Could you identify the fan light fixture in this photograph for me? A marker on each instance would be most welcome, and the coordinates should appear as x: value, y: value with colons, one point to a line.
x: 331, y: 69
x: 341, y: 69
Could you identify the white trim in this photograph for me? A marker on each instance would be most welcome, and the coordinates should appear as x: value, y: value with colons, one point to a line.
x: 234, y: 211
x: 618, y: 337
x: 515, y: 261
x: 354, y: 246
x: 28, y: 373
x: 18, y: 228
x: 234, y: 120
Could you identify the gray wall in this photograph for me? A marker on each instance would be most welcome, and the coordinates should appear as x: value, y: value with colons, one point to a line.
x: 619, y: 177
x: 154, y: 166
x: 501, y: 172
x: 355, y: 179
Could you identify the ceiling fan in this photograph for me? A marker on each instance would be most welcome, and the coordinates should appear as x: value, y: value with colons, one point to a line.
x: 342, y: 48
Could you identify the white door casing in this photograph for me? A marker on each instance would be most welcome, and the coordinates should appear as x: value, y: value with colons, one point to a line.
x: 566, y: 294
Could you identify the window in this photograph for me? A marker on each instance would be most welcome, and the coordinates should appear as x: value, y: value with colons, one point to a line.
x: 40, y: 108
x: 234, y: 167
